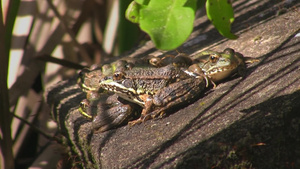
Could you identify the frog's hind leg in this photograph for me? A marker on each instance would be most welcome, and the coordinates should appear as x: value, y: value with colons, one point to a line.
x: 176, y: 94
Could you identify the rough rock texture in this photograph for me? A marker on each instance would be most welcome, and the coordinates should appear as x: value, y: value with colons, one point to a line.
x: 250, y: 122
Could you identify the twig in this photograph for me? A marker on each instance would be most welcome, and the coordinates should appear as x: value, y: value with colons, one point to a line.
x: 64, y: 24
x: 37, y: 129
x: 48, y: 58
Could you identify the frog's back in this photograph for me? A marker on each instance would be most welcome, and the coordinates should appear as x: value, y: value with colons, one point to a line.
x: 166, y: 72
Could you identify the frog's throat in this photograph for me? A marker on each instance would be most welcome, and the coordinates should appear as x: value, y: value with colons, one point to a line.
x: 216, y: 70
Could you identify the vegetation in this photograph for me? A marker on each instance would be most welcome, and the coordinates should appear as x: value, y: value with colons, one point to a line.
x: 169, y: 23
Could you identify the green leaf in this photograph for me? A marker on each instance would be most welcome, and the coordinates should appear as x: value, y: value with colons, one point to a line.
x: 142, y: 2
x: 220, y: 13
x: 133, y: 12
x: 169, y: 22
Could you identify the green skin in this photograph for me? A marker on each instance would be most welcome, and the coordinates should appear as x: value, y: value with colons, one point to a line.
x: 218, y: 66
x: 157, y: 89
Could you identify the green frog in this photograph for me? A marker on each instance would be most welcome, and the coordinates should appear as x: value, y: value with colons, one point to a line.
x: 101, y: 107
x: 158, y: 89
x: 88, y: 78
x: 218, y: 66
x: 155, y: 89
x: 180, y: 60
x: 88, y: 81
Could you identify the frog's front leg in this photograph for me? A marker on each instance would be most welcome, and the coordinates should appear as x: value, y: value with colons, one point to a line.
x: 148, y: 100
x: 177, y: 93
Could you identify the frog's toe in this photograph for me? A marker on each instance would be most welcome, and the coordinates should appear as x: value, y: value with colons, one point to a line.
x: 159, y: 114
x: 134, y: 122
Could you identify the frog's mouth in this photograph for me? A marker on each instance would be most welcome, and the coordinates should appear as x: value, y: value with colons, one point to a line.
x: 126, y: 93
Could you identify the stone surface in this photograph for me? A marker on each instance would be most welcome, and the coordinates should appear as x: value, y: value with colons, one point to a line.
x: 245, y: 122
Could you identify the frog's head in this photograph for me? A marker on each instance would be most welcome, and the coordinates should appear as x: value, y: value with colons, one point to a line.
x: 119, y: 65
x: 88, y: 79
x: 122, y: 86
x: 219, y: 66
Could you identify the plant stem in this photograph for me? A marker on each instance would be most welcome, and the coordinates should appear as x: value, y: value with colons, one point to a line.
x: 5, y: 120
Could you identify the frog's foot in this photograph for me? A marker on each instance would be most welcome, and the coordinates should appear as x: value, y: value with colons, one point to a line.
x: 207, y: 80
x: 142, y: 119
x: 161, y: 114
x: 249, y: 60
x: 134, y: 122
x: 213, y: 83
x: 160, y: 62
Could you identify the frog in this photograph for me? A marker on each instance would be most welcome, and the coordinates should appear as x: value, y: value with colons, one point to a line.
x: 179, y: 60
x: 88, y: 81
x: 95, y: 106
x: 88, y: 78
x: 219, y: 65
x: 98, y: 105
x: 107, y: 112
x: 155, y: 89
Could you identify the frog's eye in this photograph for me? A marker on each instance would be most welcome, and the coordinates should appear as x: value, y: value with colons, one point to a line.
x: 214, y: 58
x: 118, y: 75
